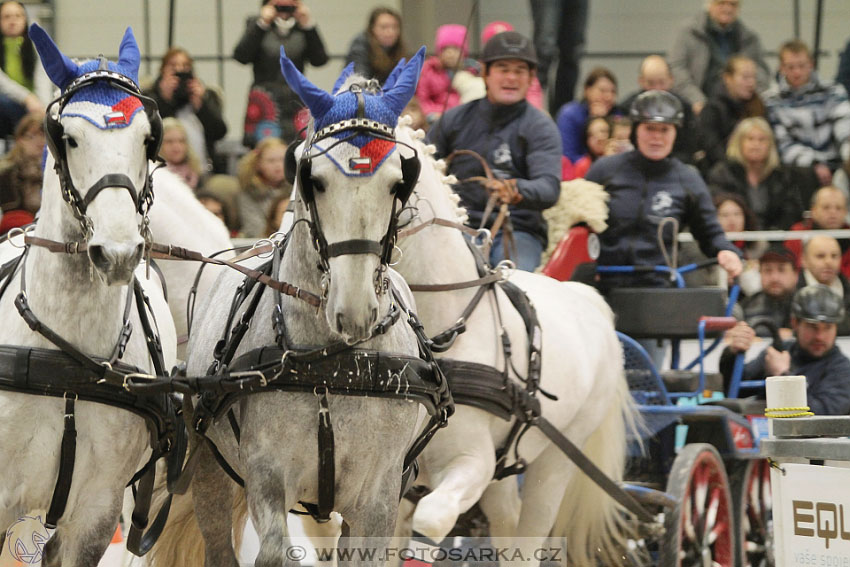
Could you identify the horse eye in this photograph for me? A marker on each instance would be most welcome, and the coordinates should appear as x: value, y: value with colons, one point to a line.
x: 71, y: 141
x: 317, y: 184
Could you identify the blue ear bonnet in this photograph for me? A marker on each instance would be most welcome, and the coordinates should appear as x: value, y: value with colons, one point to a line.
x: 103, y: 94
x: 345, y: 107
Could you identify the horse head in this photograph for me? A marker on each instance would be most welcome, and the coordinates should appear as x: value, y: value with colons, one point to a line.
x: 101, y: 133
x: 353, y: 181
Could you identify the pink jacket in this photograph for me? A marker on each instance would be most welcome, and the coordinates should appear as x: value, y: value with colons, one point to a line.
x: 433, y: 88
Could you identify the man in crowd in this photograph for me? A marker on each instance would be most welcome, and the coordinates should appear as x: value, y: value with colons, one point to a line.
x: 704, y: 44
x: 815, y: 314
x: 821, y: 264
x: 520, y: 144
x: 778, y: 283
x: 810, y: 117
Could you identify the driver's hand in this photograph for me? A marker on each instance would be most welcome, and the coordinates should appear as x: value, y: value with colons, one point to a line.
x: 740, y: 337
x: 777, y: 363
x: 730, y: 262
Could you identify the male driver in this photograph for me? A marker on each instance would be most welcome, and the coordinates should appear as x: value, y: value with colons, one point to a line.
x: 815, y: 312
x: 521, y: 145
x: 810, y: 117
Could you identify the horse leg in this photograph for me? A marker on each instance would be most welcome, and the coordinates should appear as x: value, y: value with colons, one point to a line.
x: 322, y: 536
x: 501, y: 504
x: 266, y: 492
x: 371, y: 524
x: 546, y: 480
x: 85, y: 536
x: 459, y: 475
x: 212, y: 496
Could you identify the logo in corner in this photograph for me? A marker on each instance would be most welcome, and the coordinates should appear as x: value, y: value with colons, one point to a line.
x: 26, y: 539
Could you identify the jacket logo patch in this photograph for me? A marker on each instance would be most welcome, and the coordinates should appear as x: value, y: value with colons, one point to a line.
x: 662, y: 203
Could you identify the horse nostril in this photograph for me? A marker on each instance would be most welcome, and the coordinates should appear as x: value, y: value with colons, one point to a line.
x: 374, y: 315
x: 140, y: 250
x: 98, y: 256
x: 339, y: 323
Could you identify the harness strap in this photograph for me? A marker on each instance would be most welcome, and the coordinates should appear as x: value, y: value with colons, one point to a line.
x: 67, y: 459
x: 140, y: 542
x: 327, y: 468
x: 592, y: 471
x: 354, y: 247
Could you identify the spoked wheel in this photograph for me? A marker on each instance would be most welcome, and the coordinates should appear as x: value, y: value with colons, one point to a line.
x: 699, y: 531
x: 751, y: 497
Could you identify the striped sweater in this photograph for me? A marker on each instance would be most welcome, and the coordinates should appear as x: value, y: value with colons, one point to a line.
x: 811, y: 123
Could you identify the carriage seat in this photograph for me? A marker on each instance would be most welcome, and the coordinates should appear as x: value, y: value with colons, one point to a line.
x: 677, y: 381
x: 665, y: 313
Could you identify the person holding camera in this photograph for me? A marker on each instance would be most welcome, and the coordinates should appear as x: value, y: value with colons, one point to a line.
x: 272, y: 106
x: 180, y: 94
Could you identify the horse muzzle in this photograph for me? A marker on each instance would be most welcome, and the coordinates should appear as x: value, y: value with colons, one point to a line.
x: 116, y: 261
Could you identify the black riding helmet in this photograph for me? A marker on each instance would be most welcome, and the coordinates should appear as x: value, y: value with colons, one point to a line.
x: 509, y: 45
x: 657, y: 106
x: 818, y: 304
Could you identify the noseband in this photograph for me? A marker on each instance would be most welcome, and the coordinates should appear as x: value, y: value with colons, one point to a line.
x: 56, y: 140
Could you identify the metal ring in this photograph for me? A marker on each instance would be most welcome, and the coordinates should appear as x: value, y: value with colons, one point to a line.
x: 483, y: 237
x: 506, y: 268
x: 22, y: 231
x: 262, y: 242
x: 401, y: 255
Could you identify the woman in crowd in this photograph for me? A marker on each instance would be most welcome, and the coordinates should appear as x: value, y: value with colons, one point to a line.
x: 753, y: 171
x: 24, y: 84
x: 600, y: 95
x: 261, y: 180
x: 180, y: 94
x: 178, y: 155
x: 737, y: 100
x: 272, y: 106
x: 376, y: 51
x: 647, y: 186
x: 20, y: 169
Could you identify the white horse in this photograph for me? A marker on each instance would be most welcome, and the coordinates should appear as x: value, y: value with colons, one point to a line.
x: 350, y: 177
x: 180, y: 219
x: 103, y: 136
x: 581, y: 366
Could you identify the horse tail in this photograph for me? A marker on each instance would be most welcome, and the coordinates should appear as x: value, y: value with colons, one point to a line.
x: 181, y: 542
x: 595, y: 526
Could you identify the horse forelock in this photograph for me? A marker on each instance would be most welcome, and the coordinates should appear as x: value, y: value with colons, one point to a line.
x: 361, y: 81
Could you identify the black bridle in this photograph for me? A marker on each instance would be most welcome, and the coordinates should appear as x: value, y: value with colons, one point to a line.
x: 56, y: 140
x: 410, y: 173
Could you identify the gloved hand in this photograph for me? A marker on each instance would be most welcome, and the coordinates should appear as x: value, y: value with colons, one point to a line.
x: 505, y: 189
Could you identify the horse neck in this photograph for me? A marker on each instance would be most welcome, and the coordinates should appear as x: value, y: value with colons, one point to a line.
x: 61, y: 293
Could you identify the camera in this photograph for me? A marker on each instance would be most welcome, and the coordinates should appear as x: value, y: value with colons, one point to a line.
x: 284, y: 9
x: 181, y: 93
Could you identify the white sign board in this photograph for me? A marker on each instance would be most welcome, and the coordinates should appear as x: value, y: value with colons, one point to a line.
x: 811, y: 515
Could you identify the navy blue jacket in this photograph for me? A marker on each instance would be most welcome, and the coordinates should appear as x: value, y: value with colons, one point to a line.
x: 642, y: 193
x: 827, y: 377
x: 518, y: 142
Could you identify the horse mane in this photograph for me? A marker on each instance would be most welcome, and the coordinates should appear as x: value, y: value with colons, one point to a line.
x: 426, y: 157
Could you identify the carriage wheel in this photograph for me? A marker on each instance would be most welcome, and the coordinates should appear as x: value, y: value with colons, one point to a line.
x: 751, y: 497
x: 699, y: 530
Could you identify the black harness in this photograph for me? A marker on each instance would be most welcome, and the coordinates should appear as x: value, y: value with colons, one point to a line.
x: 73, y: 375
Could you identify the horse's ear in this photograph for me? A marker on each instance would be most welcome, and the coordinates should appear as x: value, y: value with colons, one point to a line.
x: 393, y: 76
x: 129, y: 57
x: 317, y: 100
x: 58, y: 67
x: 404, y: 87
x: 349, y: 69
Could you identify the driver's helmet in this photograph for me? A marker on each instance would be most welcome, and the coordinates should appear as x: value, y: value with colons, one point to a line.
x: 657, y: 106
x: 818, y: 304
